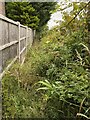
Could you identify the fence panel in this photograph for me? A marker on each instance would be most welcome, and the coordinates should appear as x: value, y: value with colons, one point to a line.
x: 14, y: 40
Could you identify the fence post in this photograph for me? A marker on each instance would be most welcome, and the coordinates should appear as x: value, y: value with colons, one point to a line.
x: 1, y: 68
x: 19, y: 41
x: 1, y: 42
x: 0, y: 85
x: 26, y: 38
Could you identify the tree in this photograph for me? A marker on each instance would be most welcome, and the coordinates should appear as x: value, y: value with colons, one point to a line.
x: 22, y: 12
x: 44, y: 11
x: 35, y: 15
x: 76, y: 18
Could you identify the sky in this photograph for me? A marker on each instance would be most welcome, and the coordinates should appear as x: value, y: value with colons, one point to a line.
x: 54, y: 17
x: 57, y: 16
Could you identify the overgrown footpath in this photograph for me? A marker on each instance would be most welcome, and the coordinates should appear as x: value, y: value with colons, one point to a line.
x: 54, y: 80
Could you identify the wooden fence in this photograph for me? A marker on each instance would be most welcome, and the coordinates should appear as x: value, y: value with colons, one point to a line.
x: 14, y: 40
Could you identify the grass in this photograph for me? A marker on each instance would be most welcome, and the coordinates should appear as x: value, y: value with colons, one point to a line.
x: 53, y: 77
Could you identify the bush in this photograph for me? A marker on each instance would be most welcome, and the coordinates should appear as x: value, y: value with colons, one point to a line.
x: 59, y: 66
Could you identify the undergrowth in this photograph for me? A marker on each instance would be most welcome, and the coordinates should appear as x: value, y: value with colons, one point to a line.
x: 53, y: 81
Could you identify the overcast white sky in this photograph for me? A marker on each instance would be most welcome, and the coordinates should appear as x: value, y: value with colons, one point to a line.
x: 57, y: 16
x: 54, y: 17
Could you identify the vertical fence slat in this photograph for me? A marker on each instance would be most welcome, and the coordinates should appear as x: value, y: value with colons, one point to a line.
x: 1, y: 68
x: 26, y: 38
x: 19, y: 41
x: 0, y: 45
x: 1, y: 61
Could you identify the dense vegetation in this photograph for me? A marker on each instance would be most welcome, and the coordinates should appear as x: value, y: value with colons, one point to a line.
x: 54, y: 81
x: 30, y: 14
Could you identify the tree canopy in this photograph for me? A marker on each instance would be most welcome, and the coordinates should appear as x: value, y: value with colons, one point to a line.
x: 34, y: 15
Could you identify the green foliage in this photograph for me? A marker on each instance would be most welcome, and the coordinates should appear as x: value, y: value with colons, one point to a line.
x: 55, y: 76
x: 43, y: 11
x: 66, y: 76
x: 34, y: 15
x: 54, y: 81
x: 18, y: 101
x: 22, y: 12
x: 75, y: 18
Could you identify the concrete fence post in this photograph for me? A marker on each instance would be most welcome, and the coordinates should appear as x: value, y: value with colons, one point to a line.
x: 1, y: 61
x: 26, y: 38
x: 2, y: 7
x: 19, y: 41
